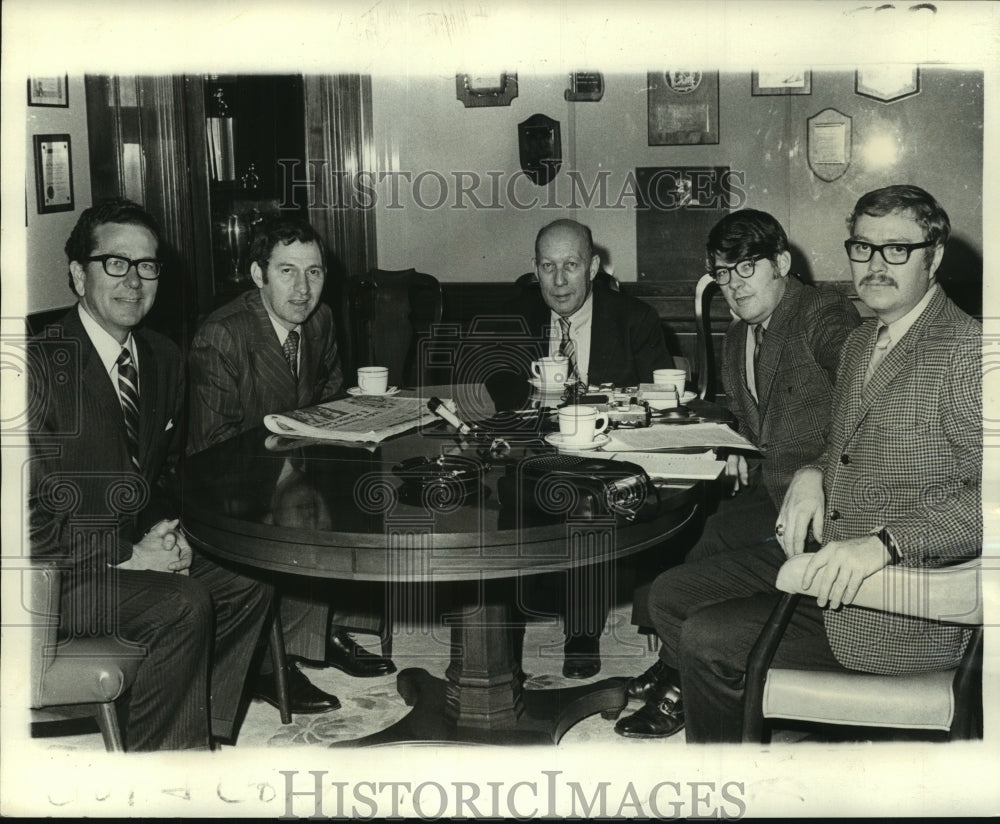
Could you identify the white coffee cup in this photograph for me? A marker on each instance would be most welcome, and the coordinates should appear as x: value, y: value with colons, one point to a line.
x: 373, y: 380
x: 581, y: 424
x: 674, y: 378
x: 552, y: 371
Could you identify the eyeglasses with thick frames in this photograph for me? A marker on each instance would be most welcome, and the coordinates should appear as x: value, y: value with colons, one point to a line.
x: 117, y: 266
x: 744, y: 268
x: 896, y: 253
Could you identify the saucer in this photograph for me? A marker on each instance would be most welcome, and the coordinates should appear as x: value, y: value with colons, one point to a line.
x: 559, y: 442
x: 660, y: 403
x: 546, y: 387
x: 356, y: 392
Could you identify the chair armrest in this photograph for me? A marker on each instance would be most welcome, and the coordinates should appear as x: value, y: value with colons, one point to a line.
x: 950, y: 593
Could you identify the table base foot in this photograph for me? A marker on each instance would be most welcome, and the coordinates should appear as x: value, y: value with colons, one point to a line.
x: 548, y: 714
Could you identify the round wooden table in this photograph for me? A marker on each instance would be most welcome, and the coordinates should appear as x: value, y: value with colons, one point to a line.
x: 340, y: 511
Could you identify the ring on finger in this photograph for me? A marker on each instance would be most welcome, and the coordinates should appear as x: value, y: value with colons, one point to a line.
x: 779, y: 530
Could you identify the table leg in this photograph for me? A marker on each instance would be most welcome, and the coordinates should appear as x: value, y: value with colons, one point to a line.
x: 482, y: 698
x: 280, y: 664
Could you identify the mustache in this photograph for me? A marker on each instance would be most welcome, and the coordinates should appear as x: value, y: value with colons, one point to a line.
x: 878, y: 280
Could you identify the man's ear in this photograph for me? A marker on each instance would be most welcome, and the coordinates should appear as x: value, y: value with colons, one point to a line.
x: 595, y: 265
x: 784, y: 261
x: 257, y: 274
x: 79, y: 277
x: 935, y: 262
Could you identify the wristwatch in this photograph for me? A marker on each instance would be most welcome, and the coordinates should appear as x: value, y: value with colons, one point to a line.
x: 890, y: 545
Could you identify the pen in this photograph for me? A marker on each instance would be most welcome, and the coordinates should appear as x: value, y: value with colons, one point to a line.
x: 437, y: 406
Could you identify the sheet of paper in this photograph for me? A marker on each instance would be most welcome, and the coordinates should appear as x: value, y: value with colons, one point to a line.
x: 677, y: 436
x: 666, y: 465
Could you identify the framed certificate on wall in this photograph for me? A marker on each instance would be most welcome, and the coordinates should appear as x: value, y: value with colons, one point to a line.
x: 53, y: 173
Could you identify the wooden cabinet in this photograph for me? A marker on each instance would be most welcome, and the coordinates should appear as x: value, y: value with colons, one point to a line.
x: 246, y: 133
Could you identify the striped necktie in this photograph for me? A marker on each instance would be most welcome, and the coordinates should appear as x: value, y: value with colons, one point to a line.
x: 568, y: 350
x: 758, y: 346
x: 291, y: 350
x: 128, y: 390
x: 882, y: 342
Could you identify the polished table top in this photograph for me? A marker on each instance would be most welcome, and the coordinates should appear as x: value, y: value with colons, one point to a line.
x: 340, y: 511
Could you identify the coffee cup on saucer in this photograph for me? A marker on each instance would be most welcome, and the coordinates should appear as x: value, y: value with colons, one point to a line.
x: 551, y: 372
x: 581, y: 424
x: 373, y: 380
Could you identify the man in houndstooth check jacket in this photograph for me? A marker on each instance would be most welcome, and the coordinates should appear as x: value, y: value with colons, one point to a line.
x: 898, y: 482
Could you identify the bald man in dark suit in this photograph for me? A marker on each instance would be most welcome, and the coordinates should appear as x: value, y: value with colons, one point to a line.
x: 270, y: 350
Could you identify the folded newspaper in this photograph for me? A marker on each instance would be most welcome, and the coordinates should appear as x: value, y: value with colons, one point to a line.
x: 361, y: 419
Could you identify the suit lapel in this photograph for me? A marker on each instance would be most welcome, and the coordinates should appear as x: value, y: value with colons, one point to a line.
x: 602, y: 336
x: 895, y: 361
x: 267, y: 358
x: 774, y: 344
x: 743, y: 397
x: 308, y: 348
x: 149, y: 392
x: 100, y: 394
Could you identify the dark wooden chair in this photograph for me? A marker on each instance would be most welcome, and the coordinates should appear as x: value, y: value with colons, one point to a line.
x: 391, y: 312
x: 946, y: 701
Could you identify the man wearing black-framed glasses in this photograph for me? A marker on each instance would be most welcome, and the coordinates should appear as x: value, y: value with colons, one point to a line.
x: 105, y: 420
x: 778, y: 368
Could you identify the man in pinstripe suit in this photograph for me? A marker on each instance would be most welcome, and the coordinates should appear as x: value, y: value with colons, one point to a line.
x: 272, y: 349
x: 898, y: 483
x: 96, y: 465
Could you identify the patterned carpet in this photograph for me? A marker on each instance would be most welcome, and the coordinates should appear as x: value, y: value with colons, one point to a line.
x: 369, y: 705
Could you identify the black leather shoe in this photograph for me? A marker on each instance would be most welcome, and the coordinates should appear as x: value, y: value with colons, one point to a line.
x: 582, y: 657
x: 651, y: 684
x: 656, y: 719
x: 346, y: 654
x: 304, y: 697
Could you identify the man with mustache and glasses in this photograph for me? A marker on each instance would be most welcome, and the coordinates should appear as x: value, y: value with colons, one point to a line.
x: 270, y: 350
x: 898, y: 483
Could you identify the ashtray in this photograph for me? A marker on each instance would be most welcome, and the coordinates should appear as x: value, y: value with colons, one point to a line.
x: 448, y: 478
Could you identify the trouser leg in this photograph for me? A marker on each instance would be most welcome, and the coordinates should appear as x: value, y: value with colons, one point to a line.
x: 714, y: 645
x: 171, y: 616
x: 680, y: 592
x: 241, y: 605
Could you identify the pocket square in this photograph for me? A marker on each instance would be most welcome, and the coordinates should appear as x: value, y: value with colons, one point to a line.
x: 169, y: 426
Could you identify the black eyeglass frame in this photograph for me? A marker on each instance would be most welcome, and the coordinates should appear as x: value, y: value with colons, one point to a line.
x: 728, y: 270
x: 104, y: 264
x: 875, y: 247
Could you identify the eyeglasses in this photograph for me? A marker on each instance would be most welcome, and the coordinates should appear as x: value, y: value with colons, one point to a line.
x: 118, y: 266
x: 745, y: 269
x: 895, y: 253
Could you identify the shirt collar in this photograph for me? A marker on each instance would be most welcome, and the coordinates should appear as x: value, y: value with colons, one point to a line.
x: 901, y: 326
x: 108, y: 349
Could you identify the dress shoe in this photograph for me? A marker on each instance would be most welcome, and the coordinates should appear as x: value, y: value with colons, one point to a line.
x: 652, y: 683
x: 346, y: 654
x: 659, y: 718
x: 582, y: 657
x: 304, y: 697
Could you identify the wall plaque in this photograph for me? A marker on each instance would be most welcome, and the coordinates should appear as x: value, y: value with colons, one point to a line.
x: 829, y: 144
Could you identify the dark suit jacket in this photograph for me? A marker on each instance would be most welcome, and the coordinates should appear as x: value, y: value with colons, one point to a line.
x: 906, y: 453
x: 239, y: 373
x: 797, y: 374
x: 626, y: 340
x: 82, y: 466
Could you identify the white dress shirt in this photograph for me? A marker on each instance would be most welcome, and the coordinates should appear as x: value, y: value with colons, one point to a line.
x: 579, y: 333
